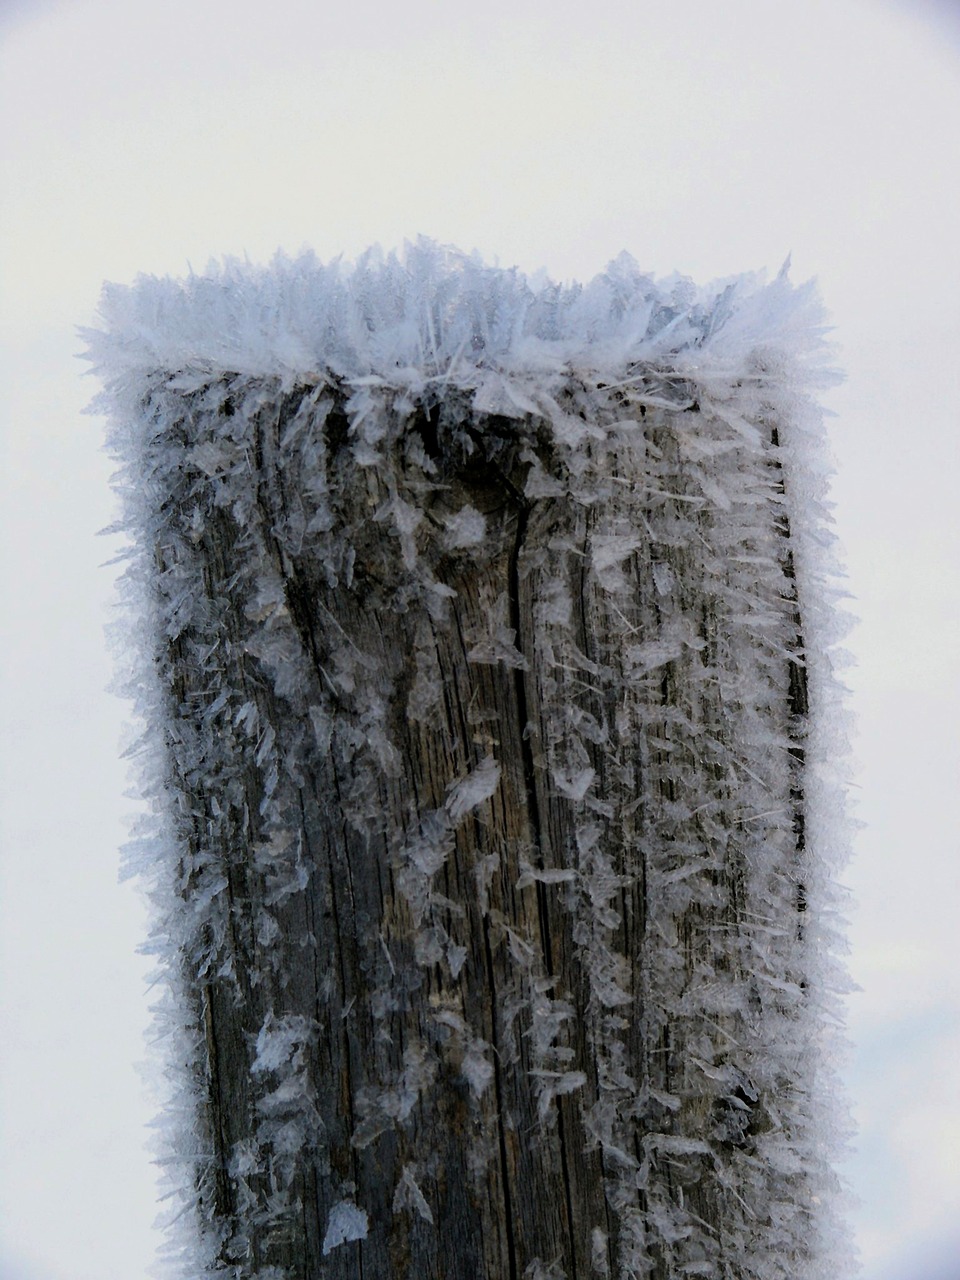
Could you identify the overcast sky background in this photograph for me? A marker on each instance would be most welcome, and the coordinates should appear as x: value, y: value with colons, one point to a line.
x: 701, y: 136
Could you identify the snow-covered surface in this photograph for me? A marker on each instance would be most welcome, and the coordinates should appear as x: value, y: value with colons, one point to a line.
x: 721, y: 366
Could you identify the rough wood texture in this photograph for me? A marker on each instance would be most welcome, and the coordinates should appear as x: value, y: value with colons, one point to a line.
x: 492, y: 830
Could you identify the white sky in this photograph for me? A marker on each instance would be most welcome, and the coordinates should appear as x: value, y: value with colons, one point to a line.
x: 702, y: 136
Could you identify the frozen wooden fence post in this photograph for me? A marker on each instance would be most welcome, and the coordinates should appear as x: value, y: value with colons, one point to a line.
x: 490, y: 865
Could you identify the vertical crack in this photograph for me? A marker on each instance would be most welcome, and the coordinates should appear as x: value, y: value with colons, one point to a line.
x: 224, y: 1195
x: 798, y: 691
x: 508, y: 1211
x: 536, y: 824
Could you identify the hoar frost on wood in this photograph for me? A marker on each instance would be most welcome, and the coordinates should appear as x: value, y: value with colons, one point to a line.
x: 483, y: 632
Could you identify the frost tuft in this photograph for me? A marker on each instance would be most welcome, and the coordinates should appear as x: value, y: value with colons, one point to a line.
x: 345, y: 1224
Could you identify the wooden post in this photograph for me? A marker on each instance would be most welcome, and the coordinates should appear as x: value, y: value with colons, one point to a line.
x: 485, y: 714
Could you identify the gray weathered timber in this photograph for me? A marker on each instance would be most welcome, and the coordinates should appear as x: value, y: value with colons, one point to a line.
x: 489, y: 763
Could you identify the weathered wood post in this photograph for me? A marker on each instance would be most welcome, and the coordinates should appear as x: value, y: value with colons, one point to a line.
x: 489, y: 886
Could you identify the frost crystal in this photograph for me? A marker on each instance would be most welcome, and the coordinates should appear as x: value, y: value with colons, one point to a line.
x: 474, y: 789
x: 409, y: 1196
x: 345, y: 1224
x: 465, y: 528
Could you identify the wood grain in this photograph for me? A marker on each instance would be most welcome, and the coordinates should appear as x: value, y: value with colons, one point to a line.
x: 530, y: 1032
